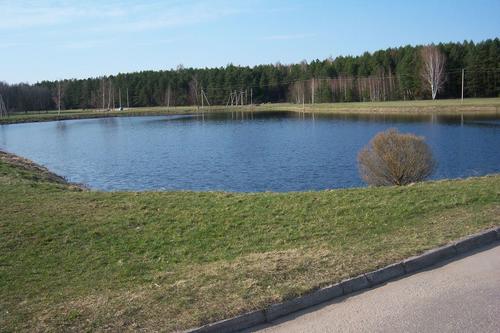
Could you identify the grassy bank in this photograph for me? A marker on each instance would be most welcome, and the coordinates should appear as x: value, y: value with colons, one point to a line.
x: 481, y: 106
x: 29, y: 117
x: 73, y: 259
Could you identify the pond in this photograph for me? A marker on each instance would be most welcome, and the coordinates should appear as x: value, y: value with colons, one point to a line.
x: 249, y: 152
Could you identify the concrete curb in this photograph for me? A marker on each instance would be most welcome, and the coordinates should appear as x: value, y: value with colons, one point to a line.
x: 385, y: 274
x: 349, y: 286
x: 429, y: 258
x: 475, y: 241
x: 299, y: 303
x: 354, y: 284
x: 234, y: 324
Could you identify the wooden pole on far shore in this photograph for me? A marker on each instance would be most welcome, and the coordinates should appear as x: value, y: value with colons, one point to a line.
x: 103, y: 95
x: 128, y: 105
x: 312, y: 91
x: 463, y: 74
x: 201, y: 96
x: 168, y: 97
x: 303, y: 101
x: 58, y: 97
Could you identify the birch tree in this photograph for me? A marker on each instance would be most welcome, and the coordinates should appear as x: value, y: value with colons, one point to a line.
x: 433, y: 68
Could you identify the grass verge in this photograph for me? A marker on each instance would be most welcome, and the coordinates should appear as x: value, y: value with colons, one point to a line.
x: 73, y: 259
x: 475, y: 106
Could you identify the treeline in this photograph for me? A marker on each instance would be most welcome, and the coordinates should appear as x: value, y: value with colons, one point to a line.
x: 25, y: 97
x: 391, y: 74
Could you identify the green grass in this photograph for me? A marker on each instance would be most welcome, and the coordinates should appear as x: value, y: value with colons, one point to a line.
x: 90, y: 113
x: 73, y: 259
x: 481, y: 106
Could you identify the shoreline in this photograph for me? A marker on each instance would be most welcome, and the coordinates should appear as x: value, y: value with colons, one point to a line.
x: 473, y: 107
x: 42, y: 172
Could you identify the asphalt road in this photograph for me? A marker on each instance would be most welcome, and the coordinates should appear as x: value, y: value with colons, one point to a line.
x: 457, y: 296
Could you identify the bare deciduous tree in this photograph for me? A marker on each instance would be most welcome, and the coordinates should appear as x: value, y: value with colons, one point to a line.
x: 433, y: 68
x: 298, y: 92
x: 392, y: 158
x: 193, y: 91
x: 59, y: 93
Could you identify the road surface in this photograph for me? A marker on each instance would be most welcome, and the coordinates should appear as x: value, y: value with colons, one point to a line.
x: 457, y: 296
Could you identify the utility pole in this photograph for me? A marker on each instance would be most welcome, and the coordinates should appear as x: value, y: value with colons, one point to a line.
x: 204, y: 96
x: 109, y: 95
x: 128, y: 105
x: 463, y: 74
x: 168, y: 97
x: 201, y: 96
x: 58, y: 97
x: 312, y: 91
x: 103, y: 97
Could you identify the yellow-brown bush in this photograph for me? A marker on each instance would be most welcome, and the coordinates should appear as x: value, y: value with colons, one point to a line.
x: 392, y: 158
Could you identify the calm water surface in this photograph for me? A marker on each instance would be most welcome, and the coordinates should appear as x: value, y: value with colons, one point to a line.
x: 261, y: 152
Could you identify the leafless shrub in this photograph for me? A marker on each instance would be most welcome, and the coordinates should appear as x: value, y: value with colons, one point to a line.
x: 392, y: 158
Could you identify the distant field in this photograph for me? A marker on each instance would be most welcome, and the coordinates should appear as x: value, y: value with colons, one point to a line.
x: 90, y: 113
x: 445, y: 105
x: 448, y: 106
x: 77, y: 260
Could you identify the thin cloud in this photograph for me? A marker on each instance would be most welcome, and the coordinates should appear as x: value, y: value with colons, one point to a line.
x: 155, y: 17
x: 6, y: 45
x: 91, y: 44
x: 156, y: 42
x: 112, y: 17
x: 25, y: 14
x: 288, y: 37
x: 86, y: 44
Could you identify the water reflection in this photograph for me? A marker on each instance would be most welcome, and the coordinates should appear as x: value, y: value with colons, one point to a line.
x: 243, y: 151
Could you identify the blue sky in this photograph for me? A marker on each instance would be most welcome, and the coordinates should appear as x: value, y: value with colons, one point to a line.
x: 77, y: 39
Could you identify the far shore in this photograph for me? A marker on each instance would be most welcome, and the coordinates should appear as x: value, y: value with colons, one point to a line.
x: 450, y: 107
